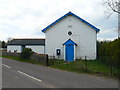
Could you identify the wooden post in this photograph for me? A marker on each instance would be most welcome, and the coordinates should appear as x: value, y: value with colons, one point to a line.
x: 47, y: 63
x: 110, y: 66
x: 85, y: 63
x: 53, y: 57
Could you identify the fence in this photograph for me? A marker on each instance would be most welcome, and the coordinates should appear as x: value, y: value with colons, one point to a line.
x: 86, y: 65
x: 101, y: 66
x: 112, y: 62
x: 40, y: 58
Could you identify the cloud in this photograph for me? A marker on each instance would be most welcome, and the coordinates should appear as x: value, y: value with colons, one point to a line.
x: 26, y: 18
x: 109, y: 34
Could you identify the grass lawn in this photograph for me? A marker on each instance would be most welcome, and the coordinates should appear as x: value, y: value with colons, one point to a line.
x: 93, y: 66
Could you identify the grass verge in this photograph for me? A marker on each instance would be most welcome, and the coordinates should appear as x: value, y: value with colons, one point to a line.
x: 93, y: 67
x: 23, y: 60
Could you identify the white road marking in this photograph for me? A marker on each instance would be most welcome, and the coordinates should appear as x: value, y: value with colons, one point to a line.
x: 6, y: 66
x: 30, y: 76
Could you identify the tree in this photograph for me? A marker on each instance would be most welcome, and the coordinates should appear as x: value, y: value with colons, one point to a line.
x: 0, y: 44
x: 114, y: 5
x: 26, y: 53
x: 4, y: 45
x: 9, y: 39
x: 109, y: 49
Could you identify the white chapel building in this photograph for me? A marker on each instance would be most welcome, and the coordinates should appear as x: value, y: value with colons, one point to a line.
x: 70, y: 38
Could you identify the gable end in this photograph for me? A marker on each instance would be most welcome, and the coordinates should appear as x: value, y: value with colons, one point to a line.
x: 70, y: 13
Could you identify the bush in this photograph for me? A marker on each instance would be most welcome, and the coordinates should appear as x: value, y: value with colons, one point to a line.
x: 108, y: 52
x: 26, y: 53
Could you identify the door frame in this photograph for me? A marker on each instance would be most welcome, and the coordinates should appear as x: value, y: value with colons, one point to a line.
x: 74, y: 51
x: 69, y: 41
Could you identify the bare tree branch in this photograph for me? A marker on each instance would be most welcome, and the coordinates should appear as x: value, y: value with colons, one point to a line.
x: 113, y: 5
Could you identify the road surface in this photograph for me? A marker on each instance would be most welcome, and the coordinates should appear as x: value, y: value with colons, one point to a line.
x: 17, y: 74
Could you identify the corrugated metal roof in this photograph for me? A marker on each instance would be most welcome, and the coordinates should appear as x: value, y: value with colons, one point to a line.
x: 27, y: 42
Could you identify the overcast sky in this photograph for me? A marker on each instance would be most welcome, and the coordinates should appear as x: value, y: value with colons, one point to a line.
x: 26, y: 18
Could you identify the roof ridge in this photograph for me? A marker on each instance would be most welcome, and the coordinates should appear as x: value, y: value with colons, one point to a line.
x: 27, y: 42
x: 70, y: 13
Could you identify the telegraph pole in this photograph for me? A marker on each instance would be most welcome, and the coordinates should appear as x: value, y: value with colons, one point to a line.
x: 119, y: 20
x: 119, y: 45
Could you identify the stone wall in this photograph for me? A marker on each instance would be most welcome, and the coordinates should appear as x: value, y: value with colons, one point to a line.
x: 42, y: 58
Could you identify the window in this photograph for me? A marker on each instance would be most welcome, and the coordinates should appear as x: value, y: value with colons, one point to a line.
x: 69, y: 33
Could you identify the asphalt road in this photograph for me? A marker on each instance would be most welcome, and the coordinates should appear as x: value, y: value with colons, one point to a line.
x: 17, y: 74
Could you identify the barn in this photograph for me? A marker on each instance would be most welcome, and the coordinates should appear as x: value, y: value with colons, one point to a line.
x: 71, y: 37
x: 17, y: 45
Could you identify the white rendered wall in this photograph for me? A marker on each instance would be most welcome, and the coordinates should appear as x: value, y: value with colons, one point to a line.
x: 12, y: 48
x: 36, y: 48
x: 82, y: 34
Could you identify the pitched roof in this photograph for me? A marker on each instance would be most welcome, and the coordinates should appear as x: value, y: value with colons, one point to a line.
x: 70, y: 13
x: 69, y: 41
x: 27, y: 42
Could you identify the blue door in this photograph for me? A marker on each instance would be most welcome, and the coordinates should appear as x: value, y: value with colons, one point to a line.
x: 69, y: 52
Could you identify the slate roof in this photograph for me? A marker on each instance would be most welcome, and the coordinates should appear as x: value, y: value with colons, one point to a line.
x: 70, y: 13
x: 27, y: 42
